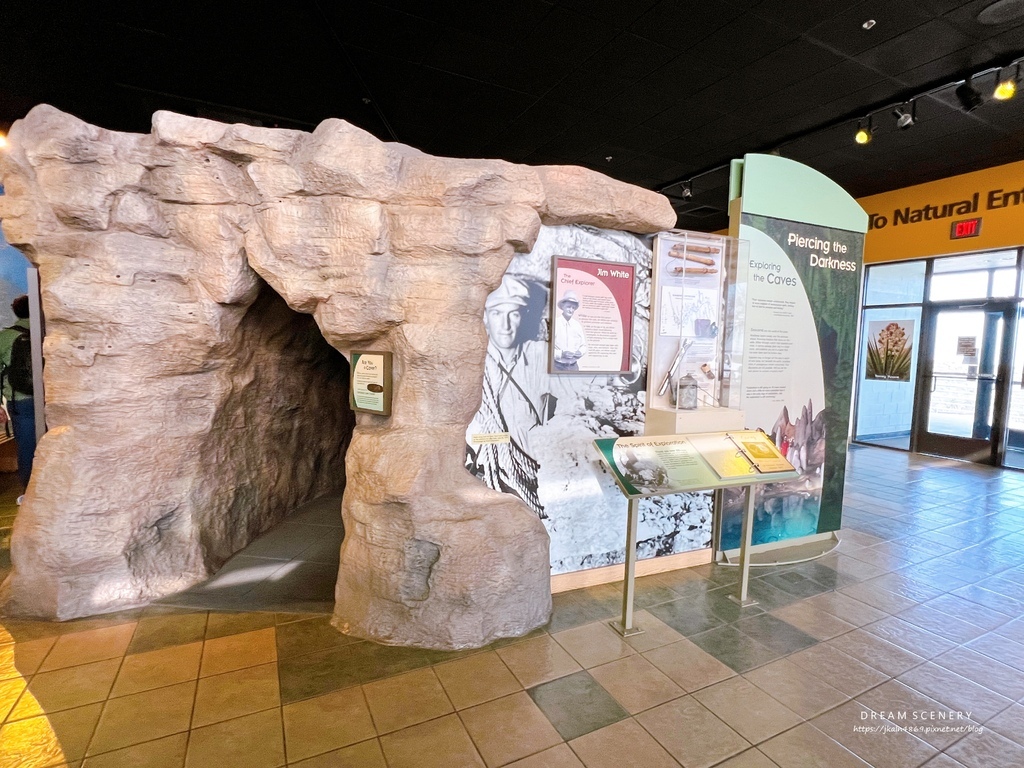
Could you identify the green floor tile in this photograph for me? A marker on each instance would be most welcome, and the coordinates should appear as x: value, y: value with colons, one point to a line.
x: 736, y: 650
x: 577, y: 705
x: 317, y: 634
x: 687, y: 616
x: 163, y: 631
x: 775, y: 634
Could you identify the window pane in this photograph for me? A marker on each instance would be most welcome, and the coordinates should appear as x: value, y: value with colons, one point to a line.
x: 959, y: 285
x: 885, y: 403
x: 899, y: 283
x: 975, y: 276
x: 1004, y: 282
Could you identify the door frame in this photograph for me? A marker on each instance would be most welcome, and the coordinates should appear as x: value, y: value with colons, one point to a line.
x: 979, y: 450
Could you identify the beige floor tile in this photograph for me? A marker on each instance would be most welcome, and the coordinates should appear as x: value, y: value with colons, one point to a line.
x: 365, y: 754
x: 50, y: 692
x: 327, y: 722
x: 253, y: 741
x: 816, y: 623
x: 801, y: 691
x: 839, y: 670
x: 404, y: 700
x: 956, y: 692
x: 757, y: 718
x: 476, y: 679
x: 155, y: 669
x: 752, y: 758
x: 225, y: 654
x: 556, y: 757
x: 887, y: 748
x: 233, y: 694
x: 691, y: 733
x: 168, y: 752
x: 879, y: 598
x: 509, y: 728
x: 23, y: 659
x: 909, y: 637
x: 987, y: 749
x: 1009, y: 723
x: 688, y: 666
x: 537, y: 660
x: 846, y: 608
x: 636, y: 683
x: 143, y: 716
x: 807, y: 747
x: 593, y: 644
x: 876, y: 652
x: 10, y: 692
x: 982, y: 670
x: 943, y: 761
x: 47, y: 740
x: 656, y: 633
x: 89, y: 646
x: 441, y: 743
x: 624, y: 743
x: 896, y: 698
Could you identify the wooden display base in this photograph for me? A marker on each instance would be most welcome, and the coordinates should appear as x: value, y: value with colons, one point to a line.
x: 609, y: 574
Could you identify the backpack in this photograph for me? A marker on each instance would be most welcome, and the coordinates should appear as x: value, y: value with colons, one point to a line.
x: 19, y: 372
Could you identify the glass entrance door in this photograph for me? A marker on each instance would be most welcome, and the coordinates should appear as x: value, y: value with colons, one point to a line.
x: 963, y: 376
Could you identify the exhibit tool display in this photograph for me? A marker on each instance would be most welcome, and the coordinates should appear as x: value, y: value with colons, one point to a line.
x: 696, y: 337
x: 652, y: 466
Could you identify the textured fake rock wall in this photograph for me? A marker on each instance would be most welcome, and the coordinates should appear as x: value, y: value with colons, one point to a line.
x: 386, y: 247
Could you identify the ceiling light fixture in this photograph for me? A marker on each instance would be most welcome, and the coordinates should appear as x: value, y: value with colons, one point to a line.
x: 1006, y: 85
x: 968, y: 96
x: 906, y: 115
x: 868, y: 24
x: 863, y: 135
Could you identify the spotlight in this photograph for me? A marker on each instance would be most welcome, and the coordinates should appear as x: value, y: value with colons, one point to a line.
x: 1006, y: 85
x: 3, y: 141
x: 905, y: 117
x: 687, y: 192
x: 968, y: 96
x: 863, y: 135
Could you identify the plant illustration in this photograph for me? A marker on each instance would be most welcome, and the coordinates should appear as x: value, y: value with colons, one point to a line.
x: 889, y: 354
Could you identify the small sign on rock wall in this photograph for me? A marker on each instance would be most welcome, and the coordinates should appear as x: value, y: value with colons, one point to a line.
x: 370, y: 387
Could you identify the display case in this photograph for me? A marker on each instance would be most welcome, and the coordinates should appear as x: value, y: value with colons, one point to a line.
x: 696, y: 336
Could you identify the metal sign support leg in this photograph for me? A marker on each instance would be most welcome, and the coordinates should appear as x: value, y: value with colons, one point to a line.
x: 625, y: 627
x: 747, y: 534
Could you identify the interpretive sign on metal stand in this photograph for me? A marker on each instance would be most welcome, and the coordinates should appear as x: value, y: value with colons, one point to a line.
x: 662, y: 465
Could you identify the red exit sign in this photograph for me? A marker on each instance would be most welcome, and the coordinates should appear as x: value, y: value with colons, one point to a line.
x: 965, y: 228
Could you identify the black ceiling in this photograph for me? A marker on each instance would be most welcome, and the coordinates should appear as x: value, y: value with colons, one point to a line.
x: 648, y: 91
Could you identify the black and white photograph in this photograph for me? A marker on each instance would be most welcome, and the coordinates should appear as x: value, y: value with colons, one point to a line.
x: 548, y: 459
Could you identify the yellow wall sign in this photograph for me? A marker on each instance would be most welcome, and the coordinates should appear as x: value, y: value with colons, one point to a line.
x: 976, y: 211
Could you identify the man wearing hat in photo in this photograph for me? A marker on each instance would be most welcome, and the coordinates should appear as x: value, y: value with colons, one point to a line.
x: 515, y: 383
x: 570, y: 341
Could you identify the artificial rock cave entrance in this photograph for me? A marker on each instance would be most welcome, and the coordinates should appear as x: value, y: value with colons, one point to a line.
x: 166, y: 261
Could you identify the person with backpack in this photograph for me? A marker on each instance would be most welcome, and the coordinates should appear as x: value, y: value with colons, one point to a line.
x: 16, y: 379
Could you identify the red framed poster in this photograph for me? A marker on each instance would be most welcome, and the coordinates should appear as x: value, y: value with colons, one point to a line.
x: 591, y: 316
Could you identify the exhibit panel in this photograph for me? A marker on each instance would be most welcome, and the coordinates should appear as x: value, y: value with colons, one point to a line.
x: 806, y: 248
x: 532, y: 435
x: 162, y: 259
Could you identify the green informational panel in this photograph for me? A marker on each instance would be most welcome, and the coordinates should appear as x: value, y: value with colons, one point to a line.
x: 799, y: 328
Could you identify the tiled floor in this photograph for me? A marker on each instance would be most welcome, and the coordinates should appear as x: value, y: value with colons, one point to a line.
x: 860, y: 658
